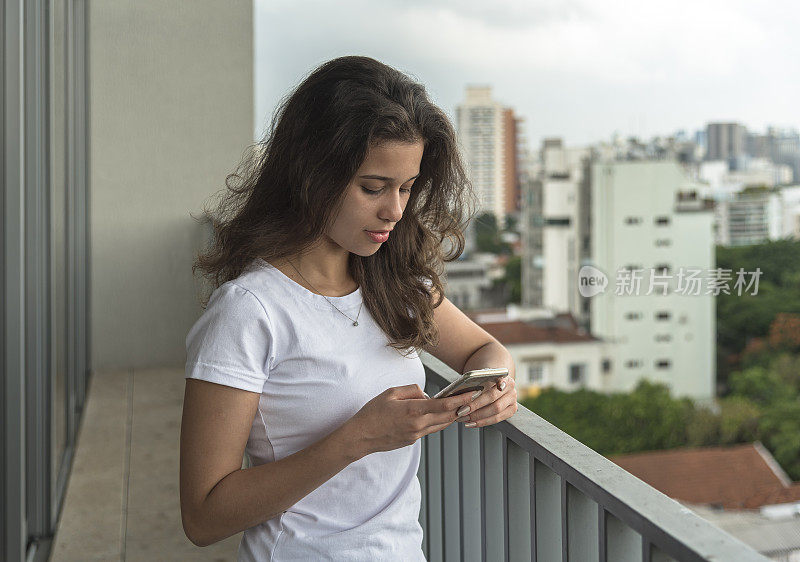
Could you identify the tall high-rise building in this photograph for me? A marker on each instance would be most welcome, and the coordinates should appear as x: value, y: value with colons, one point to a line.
x: 725, y: 141
x: 488, y: 132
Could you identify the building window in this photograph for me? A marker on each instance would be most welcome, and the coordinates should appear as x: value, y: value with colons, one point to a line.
x: 633, y: 363
x: 633, y: 220
x: 663, y: 364
x: 560, y: 221
x: 663, y: 315
x: 536, y: 373
x: 663, y: 242
x: 633, y: 316
x: 662, y: 268
x: 663, y: 337
x: 662, y: 221
x: 577, y: 373
x: 606, y: 365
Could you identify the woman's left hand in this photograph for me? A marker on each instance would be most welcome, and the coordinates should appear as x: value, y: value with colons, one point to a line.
x: 497, y: 403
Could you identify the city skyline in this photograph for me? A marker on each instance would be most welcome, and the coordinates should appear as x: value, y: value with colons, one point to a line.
x: 574, y: 69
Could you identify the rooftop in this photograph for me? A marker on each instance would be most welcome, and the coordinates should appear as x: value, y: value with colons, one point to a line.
x: 511, y: 327
x: 742, y: 476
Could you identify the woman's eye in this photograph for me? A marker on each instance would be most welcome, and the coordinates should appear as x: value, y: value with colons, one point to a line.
x: 378, y: 191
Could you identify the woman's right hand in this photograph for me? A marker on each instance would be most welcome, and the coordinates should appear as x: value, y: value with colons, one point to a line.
x: 399, y: 416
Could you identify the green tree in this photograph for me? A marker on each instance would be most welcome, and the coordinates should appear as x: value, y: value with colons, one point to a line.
x: 761, y: 385
x: 512, y: 278
x: 645, y: 419
x: 511, y: 223
x: 787, y: 367
x: 743, y: 317
x: 738, y: 420
x: 703, y: 428
x: 780, y: 433
x: 487, y: 235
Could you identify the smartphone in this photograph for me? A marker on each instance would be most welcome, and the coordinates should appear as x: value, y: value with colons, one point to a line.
x: 472, y: 381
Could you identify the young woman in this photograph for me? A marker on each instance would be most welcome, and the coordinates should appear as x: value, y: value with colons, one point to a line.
x: 306, y: 356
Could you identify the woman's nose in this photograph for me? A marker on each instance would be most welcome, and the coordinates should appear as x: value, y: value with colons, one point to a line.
x: 392, y: 209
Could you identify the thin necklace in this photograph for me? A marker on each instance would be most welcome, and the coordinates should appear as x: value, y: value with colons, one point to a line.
x: 355, y: 322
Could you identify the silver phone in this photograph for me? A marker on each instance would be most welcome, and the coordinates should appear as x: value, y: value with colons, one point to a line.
x: 472, y: 381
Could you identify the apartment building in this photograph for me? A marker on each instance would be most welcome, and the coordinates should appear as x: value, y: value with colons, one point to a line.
x: 564, y: 225
x: 725, y: 141
x: 585, y: 208
x: 748, y: 217
x: 647, y: 219
x: 488, y: 132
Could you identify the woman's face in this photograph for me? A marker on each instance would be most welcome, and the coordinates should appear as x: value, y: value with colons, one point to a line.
x: 376, y: 202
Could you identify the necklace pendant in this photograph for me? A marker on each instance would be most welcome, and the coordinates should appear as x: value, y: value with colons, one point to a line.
x: 355, y: 323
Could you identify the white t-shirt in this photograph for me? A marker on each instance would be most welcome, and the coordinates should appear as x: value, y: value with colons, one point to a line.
x: 265, y: 333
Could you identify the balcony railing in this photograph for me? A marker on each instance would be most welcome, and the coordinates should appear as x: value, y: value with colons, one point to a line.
x: 524, y: 490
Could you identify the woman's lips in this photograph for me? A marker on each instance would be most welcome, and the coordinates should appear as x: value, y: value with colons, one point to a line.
x: 377, y: 237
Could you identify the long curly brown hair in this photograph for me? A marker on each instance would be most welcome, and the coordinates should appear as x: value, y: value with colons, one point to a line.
x: 288, y: 189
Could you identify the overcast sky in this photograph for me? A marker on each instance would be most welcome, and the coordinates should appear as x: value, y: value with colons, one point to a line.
x: 579, y: 69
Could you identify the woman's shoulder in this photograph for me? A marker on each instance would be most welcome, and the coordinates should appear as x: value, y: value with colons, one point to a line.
x: 234, y: 299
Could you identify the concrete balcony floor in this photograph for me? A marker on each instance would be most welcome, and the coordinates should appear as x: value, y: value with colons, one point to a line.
x: 122, y: 499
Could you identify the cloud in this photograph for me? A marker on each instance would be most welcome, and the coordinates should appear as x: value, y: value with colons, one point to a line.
x: 558, y: 62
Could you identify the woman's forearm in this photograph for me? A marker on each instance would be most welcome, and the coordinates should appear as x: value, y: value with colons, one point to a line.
x: 491, y: 356
x: 253, y: 495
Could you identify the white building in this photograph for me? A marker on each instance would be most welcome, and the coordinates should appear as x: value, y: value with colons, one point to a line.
x: 748, y: 217
x: 756, y: 171
x: 549, y: 350
x: 790, y: 226
x: 554, y: 230
x: 563, y: 232
x: 467, y: 280
x: 642, y: 221
x: 753, y: 216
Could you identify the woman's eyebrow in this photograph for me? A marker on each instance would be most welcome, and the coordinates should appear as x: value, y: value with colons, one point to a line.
x: 384, y: 178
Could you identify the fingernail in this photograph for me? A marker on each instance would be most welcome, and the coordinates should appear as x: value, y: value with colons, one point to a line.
x: 470, y: 424
x: 503, y: 385
x: 478, y: 393
x: 462, y: 410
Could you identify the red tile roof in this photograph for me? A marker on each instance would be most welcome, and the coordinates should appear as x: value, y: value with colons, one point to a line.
x: 733, y: 477
x: 516, y: 331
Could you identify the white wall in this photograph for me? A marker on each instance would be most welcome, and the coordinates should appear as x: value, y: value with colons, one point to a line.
x: 557, y: 358
x: 171, y: 110
x: 791, y: 211
x: 560, y: 244
x: 648, y: 190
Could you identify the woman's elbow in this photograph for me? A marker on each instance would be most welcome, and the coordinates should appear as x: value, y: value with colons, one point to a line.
x: 192, y: 530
